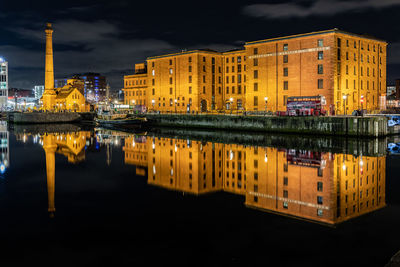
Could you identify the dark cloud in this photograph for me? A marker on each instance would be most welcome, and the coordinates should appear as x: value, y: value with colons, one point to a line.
x: 318, y: 8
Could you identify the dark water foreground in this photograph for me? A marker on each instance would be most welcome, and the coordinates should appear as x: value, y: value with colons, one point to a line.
x: 95, y: 198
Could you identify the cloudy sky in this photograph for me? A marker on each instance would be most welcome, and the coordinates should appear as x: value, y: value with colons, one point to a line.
x: 111, y: 36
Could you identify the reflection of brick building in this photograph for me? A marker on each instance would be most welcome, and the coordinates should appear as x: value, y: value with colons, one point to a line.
x: 348, y: 70
x: 321, y: 187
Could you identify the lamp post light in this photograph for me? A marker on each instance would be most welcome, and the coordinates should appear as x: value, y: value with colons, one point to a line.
x: 231, y: 104
x: 175, y: 103
x: 153, y: 102
x: 266, y: 102
x: 344, y: 103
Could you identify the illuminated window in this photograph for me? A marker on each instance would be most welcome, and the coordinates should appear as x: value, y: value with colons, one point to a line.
x: 321, y: 42
x: 319, y: 200
x: 285, y: 47
x: 320, y: 69
x: 285, y: 205
x: 153, y: 72
x: 320, y: 55
x: 320, y: 212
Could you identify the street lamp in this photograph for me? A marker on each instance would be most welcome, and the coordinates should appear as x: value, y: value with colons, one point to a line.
x: 266, y: 102
x: 153, y: 103
x: 175, y: 103
x: 344, y: 103
x: 231, y: 104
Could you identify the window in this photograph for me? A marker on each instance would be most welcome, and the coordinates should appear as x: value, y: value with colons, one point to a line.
x: 285, y: 205
x: 285, y: 59
x: 255, y: 101
x: 170, y: 62
x: 170, y: 80
x: 320, y: 212
x: 227, y: 89
x: 190, y: 59
x: 319, y: 200
x: 320, y: 69
x: 152, y: 64
x: 285, y: 97
x: 285, y: 47
x: 170, y: 71
x: 255, y: 74
x: 285, y: 72
x: 285, y: 194
x: 320, y: 55
x: 255, y: 62
x: 319, y: 186
x: 347, y: 55
x: 190, y: 89
x: 339, y: 42
x: 255, y: 87
x: 190, y: 79
x: 190, y: 68
x: 204, y: 68
x: 255, y: 52
x: 285, y: 181
x: 347, y: 69
x: 204, y: 59
x: 285, y: 85
x: 153, y: 72
x: 213, y: 60
x: 170, y: 91
x: 153, y: 91
x: 321, y: 42
x: 320, y: 83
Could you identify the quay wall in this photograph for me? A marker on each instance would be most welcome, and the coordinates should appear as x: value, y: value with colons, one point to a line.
x: 337, y: 125
x: 42, y: 117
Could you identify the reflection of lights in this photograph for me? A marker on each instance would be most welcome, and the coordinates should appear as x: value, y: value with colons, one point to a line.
x: 2, y: 168
x: 176, y: 148
x: 116, y: 141
x: 231, y: 155
x: 266, y: 158
x: 133, y: 143
x: 24, y: 138
x: 154, y: 146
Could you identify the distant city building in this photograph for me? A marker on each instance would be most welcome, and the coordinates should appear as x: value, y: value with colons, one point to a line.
x: 348, y: 70
x: 18, y: 92
x: 38, y: 91
x: 3, y: 83
x: 93, y: 86
x: 391, y: 89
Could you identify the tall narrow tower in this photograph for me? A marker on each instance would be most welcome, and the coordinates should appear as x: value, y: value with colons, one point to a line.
x: 49, y: 94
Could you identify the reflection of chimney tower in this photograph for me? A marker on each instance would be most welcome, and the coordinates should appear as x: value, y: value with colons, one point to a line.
x: 50, y: 147
x: 49, y: 92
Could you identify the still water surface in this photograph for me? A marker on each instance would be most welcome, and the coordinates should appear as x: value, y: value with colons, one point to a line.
x: 101, y: 197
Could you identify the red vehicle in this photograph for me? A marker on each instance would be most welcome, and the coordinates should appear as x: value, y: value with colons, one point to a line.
x: 305, y: 106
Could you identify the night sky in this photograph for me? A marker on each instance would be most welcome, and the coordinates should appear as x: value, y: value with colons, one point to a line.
x: 111, y: 36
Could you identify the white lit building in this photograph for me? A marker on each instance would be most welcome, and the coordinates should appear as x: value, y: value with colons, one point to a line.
x: 3, y: 83
x: 38, y: 91
x: 4, y: 147
x: 391, y: 89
